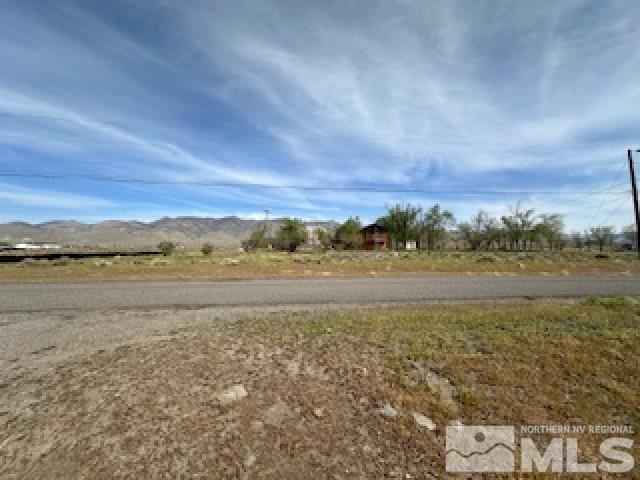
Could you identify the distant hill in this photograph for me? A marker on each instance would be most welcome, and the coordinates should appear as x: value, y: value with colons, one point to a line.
x: 189, y: 231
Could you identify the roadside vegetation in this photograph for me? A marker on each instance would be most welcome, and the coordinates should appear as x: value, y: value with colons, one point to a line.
x: 207, y: 249
x: 566, y: 362
x: 221, y: 264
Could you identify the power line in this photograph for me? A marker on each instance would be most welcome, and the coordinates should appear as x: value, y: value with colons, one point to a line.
x: 583, y: 207
x: 611, y: 212
x: 608, y: 192
x: 458, y: 190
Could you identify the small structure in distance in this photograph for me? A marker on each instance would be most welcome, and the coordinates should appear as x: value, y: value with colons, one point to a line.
x: 375, y: 237
x: 36, y: 246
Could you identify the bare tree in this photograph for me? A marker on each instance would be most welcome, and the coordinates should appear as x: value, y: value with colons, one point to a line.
x: 519, y: 226
x: 602, y: 236
x: 482, y: 229
x: 578, y: 240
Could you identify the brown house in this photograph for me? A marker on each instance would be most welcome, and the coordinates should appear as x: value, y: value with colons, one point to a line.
x: 375, y: 237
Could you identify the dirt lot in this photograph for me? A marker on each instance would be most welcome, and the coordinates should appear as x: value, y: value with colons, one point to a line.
x: 232, y: 264
x: 304, y: 394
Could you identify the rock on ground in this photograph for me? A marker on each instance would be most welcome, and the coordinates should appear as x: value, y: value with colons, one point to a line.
x: 388, y: 411
x: 424, y: 421
x: 232, y: 394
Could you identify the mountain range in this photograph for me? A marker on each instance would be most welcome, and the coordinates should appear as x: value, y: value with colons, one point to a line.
x: 189, y: 231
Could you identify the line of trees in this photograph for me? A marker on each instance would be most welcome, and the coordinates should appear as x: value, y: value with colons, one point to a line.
x: 434, y: 228
x: 521, y: 229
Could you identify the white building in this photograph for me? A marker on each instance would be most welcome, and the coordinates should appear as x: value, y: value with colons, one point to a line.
x: 37, y: 246
x: 312, y: 234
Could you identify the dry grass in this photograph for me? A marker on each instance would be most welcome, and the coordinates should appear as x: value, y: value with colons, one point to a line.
x: 315, y: 382
x: 225, y: 265
x: 513, y: 364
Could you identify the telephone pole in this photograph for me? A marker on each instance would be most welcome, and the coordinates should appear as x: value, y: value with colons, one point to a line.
x: 266, y: 211
x: 634, y: 191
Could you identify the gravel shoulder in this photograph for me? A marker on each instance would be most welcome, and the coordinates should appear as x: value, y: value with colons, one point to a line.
x: 37, y: 340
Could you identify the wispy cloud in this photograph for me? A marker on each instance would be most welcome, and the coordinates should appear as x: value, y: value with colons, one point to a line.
x: 416, y: 94
x: 50, y: 199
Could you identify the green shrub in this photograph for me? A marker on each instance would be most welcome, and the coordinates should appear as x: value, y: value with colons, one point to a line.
x: 207, y: 249
x: 257, y: 239
x: 167, y: 248
x: 611, y: 303
x: 291, y: 235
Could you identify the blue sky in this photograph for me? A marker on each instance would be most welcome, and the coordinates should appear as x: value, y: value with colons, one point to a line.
x: 523, y: 96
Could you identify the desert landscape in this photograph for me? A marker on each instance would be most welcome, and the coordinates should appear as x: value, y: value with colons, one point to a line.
x: 347, y: 240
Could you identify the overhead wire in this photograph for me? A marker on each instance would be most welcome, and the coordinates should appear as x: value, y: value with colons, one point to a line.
x: 458, y: 190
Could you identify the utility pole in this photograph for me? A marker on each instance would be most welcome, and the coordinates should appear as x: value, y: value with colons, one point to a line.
x: 266, y: 222
x: 634, y: 191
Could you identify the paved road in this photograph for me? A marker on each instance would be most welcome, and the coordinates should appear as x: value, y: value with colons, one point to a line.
x: 43, y: 297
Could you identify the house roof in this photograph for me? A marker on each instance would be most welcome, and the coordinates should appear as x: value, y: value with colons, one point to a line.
x: 374, y: 227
